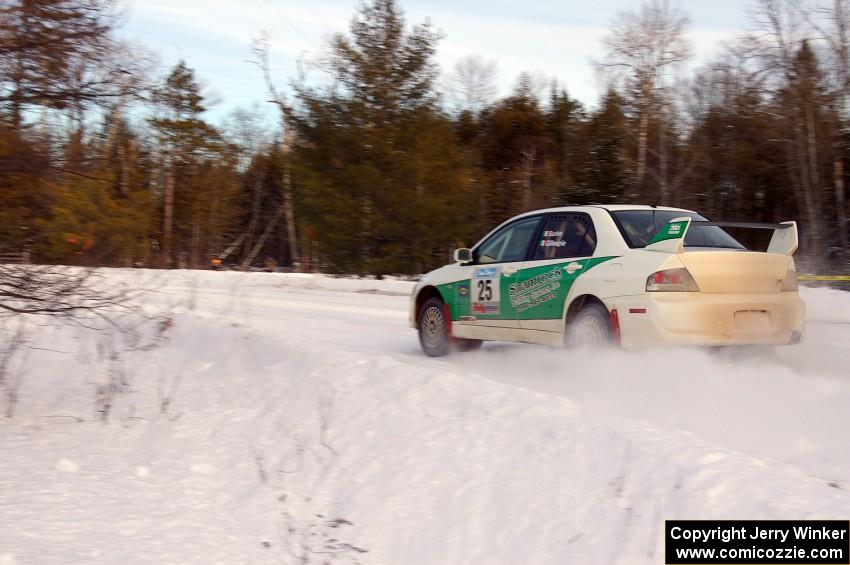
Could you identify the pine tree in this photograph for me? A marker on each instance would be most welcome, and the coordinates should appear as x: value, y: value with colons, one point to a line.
x: 378, y: 177
x: 24, y: 168
x: 565, y: 126
x: 198, y: 184
x: 517, y: 151
x: 606, y: 174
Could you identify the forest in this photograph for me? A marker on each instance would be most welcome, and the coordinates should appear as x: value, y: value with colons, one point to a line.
x: 390, y: 162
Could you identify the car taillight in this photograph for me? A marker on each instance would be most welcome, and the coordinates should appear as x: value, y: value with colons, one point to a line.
x: 671, y: 280
x: 790, y: 281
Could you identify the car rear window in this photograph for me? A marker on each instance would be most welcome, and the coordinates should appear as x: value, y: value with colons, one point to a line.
x: 639, y: 226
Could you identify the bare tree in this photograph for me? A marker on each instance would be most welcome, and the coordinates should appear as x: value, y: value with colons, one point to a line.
x: 261, y: 51
x: 717, y: 92
x: 473, y: 83
x: 781, y: 42
x: 641, y: 52
x: 14, y: 337
x: 33, y: 295
x: 63, y: 55
x: 248, y: 129
x: 833, y: 25
x: 58, y: 291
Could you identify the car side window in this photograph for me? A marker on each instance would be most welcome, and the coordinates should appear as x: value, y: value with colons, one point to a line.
x: 508, y: 244
x: 565, y: 236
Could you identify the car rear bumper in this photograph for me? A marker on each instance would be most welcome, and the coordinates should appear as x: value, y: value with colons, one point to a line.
x: 702, y: 318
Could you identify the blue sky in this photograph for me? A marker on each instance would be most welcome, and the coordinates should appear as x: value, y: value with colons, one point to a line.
x: 552, y: 38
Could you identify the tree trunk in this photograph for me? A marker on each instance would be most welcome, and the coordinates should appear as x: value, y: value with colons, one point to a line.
x: 255, y: 215
x: 812, y: 200
x: 232, y: 247
x: 643, y: 134
x: 264, y: 236
x: 840, y: 206
x: 291, y: 235
x: 663, y: 187
x: 195, y: 252
x: 168, y: 219
x: 805, y: 199
x: 286, y: 203
x: 528, y: 157
x: 288, y: 136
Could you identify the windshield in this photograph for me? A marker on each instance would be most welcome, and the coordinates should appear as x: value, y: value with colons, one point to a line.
x: 638, y: 227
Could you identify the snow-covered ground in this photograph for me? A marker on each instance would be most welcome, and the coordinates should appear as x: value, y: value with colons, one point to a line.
x: 300, y: 403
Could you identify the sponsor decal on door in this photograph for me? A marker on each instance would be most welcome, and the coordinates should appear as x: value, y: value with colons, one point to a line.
x: 536, y: 290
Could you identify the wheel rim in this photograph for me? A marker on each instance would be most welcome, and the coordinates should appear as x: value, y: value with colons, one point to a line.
x: 590, y: 330
x: 433, y: 327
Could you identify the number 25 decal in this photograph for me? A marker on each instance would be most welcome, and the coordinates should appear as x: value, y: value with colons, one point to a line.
x: 485, y: 291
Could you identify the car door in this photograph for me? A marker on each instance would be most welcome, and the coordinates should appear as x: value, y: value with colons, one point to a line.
x: 496, y: 262
x: 562, y: 252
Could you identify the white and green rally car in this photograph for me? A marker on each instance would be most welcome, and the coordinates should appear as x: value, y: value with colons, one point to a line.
x: 628, y: 275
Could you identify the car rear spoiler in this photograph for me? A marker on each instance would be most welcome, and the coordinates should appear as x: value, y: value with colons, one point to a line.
x: 671, y: 237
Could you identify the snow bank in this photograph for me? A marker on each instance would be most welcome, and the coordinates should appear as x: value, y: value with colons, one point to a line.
x: 298, y: 396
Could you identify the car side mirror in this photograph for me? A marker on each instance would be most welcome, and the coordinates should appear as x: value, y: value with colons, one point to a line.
x: 463, y: 255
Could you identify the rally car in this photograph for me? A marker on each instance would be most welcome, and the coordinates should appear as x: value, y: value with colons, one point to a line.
x: 626, y: 275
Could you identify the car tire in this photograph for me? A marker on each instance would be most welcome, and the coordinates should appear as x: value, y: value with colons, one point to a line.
x: 433, y: 328
x: 591, y: 327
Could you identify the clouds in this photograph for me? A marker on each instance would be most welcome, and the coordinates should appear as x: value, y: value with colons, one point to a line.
x: 554, y: 38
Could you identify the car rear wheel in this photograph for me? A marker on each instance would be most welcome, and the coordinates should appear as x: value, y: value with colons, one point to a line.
x: 590, y: 328
x: 433, y: 328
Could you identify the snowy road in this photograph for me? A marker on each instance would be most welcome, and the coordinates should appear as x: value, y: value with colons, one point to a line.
x: 787, y: 405
x: 295, y: 396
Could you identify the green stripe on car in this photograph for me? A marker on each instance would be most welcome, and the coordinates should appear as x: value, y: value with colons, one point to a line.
x: 533, y: 293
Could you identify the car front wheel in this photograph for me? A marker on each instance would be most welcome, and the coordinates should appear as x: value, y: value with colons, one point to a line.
x: 433, y: 328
